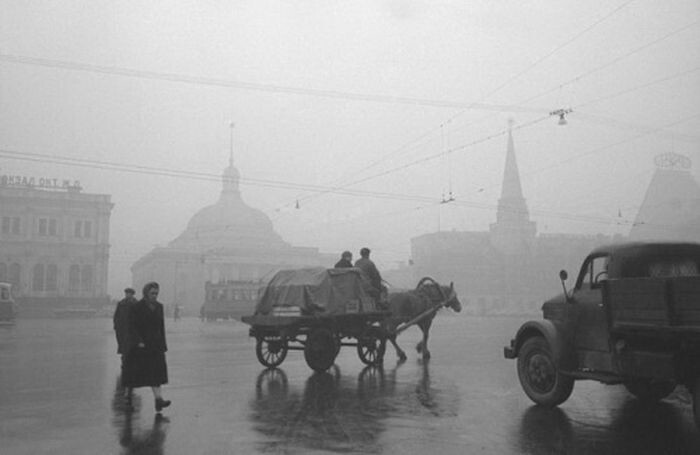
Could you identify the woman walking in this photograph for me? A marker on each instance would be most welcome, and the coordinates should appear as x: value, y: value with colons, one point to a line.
x: 145, y: 365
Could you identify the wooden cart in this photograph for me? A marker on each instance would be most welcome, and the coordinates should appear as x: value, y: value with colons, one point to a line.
x: 320, y: 337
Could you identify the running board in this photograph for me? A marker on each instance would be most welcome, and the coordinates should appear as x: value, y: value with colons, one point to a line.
x: 605, y: 378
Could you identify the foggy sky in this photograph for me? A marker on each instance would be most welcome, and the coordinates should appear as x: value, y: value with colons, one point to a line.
x: 327, y: 104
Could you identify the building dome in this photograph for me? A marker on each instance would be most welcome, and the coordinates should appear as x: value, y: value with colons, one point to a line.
x: 229, y: 223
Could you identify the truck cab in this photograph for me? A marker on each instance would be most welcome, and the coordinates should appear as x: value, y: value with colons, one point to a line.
x: 632, y: 318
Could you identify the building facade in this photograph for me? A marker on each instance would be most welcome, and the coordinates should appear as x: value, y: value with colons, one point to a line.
x: 54, y: 244
x: 509, y: 269
x: 227, y: 241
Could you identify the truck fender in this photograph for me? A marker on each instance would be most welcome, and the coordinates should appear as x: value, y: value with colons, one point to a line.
x: 563, y: 352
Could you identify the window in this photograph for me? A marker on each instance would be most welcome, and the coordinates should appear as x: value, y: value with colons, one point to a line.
x: 14, y: 275
x: 74, y: 278
x: 43, y: 226
x: 673, y: 268
x: 51, y: 277
x: 596, y: 269
x: 48, y: 227
x: 82, y: 229
x: 52, y: 226
x: 86, y: 278
x: 38, y: 278
x: 10, y: 225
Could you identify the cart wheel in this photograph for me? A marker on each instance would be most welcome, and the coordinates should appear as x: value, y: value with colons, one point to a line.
x: 320, y: 349
x: 271, y: 350
x: 371, y: 346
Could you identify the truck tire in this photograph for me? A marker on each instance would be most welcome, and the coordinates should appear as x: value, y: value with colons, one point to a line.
x: 648, y: 391
x: 538, y: 374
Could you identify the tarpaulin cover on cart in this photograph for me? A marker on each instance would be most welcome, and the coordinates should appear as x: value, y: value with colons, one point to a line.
x: 317, y: 291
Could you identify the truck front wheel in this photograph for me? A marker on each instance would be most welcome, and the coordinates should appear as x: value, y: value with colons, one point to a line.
x: 538, y: 374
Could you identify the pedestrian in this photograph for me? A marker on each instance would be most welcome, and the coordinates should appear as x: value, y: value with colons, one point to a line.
x: 146, y: 365
x: 176, y: 312
x: 345, y: 260
x: 121, y: 325
x: 367, y: 266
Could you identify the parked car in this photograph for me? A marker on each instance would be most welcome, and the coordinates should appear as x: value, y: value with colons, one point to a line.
x: 632, y: 318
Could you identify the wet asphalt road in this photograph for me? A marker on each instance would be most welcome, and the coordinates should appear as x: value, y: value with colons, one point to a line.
x: 58, y: 395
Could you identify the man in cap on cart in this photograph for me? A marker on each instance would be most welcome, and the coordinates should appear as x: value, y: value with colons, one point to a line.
x: 345, y: 261
x: 370, y: 270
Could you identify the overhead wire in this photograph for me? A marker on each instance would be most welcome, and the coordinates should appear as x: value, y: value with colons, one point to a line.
x: 208, y: 81
x: 496, y: 89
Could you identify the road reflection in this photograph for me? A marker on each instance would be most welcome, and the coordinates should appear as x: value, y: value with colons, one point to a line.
x: 339, y: 413
x: 632, y: 428
x: 132, y: 437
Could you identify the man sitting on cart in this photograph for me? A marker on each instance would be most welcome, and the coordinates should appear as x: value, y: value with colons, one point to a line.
x: 345, y: 261
x: 375, y: 290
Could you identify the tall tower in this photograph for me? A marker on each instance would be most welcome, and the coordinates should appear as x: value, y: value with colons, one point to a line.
x: 513, y: 232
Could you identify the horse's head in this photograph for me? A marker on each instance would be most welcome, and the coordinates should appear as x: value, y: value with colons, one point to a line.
x: 451, y: 299
x: 438, y: 293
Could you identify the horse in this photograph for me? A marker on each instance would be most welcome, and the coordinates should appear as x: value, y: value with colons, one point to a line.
x: 405, y: 306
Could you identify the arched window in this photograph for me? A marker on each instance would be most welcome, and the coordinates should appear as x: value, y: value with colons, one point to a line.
x: 74, y: 278
x: 51, y: 277
x: 3, y: 272
x: 14, y: 277
x: 38, y: 278
x: 86, y: 278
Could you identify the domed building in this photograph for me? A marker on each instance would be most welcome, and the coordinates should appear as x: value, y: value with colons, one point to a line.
x: 226, y: 242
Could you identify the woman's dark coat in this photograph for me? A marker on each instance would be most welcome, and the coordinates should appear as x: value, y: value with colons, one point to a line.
x: 146, y: 366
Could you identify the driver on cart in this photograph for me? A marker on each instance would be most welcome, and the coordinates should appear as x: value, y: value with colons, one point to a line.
x: 376, y: 290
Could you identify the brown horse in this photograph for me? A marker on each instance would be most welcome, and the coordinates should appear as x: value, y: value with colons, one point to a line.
x: 407, y: 305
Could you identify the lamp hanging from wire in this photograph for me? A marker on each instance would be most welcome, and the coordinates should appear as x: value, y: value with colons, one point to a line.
x: 562, y: 115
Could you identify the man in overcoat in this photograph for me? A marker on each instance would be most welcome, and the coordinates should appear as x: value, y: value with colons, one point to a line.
x: 122, y: 328
x: 367, y: 266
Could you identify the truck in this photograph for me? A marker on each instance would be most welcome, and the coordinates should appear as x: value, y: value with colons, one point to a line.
x: 632, y: 318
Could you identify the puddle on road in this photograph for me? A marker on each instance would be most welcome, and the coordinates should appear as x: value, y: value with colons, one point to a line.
x: 341, y: 413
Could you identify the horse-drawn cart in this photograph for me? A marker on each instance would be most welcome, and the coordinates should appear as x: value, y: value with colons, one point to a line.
x: 317, y: 311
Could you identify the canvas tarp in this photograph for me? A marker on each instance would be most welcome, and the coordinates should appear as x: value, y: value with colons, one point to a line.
x: 317, y: 291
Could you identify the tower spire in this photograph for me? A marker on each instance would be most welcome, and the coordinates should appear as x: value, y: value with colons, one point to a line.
x: 513, y: 229
x: 231, y: 176
x: 511, y: 190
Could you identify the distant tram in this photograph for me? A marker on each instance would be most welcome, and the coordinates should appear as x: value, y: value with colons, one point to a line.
x: 229, y: 299
x: 8, y: 307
